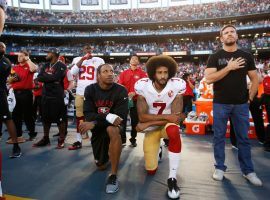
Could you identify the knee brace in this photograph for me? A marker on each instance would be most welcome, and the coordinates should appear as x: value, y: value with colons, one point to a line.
x: 78, y: 120
x: 174, y: 138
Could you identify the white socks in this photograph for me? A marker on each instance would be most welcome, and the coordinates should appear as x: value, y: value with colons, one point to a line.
x: 79, y: 137
x: 173, y: 163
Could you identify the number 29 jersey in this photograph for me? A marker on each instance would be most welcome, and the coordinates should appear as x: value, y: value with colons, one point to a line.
x: 160, y: 103
x: 87, y: 73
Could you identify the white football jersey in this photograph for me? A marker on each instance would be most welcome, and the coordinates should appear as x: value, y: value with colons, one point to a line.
x: 160, y: 103
x: 87, y: 73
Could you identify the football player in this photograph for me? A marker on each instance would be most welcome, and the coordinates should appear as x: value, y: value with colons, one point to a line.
x: 86, y: 68
x: 159, y: 105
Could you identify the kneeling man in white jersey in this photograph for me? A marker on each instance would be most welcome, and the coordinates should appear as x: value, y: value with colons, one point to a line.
x: 159, y: 107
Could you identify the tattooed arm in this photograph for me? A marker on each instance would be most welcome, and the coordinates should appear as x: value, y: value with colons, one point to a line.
x: 177, y: 107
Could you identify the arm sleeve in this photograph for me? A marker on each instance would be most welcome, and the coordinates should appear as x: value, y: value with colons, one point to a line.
x: 138, y: 87
x: 101, y: 61
x: 69, y: 76
x: 75, y: 70
x: 57, y: 76
x: 89, y: 109
x: 211, y: 63
x: 182, y: 87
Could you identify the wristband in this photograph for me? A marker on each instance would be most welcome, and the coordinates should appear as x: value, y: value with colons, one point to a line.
x: 111, y: 118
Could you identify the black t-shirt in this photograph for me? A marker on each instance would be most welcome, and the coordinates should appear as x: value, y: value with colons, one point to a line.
x: 98, y: 103
x: 232, y: 89
x: 5, y: 67
x: 52, y: 77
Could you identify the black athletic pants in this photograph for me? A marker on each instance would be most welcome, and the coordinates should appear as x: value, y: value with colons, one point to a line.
x: 23, y: 111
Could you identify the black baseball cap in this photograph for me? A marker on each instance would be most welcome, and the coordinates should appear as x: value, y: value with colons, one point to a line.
x: 53, y: 50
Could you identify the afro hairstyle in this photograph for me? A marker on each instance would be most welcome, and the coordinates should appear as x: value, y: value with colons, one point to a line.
x: 161, y: 61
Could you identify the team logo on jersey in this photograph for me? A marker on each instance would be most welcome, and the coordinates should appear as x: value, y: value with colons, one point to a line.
x: 170, y: 93
x: 103, y: 110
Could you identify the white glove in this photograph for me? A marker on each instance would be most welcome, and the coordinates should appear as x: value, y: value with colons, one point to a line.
x: 111, y: 118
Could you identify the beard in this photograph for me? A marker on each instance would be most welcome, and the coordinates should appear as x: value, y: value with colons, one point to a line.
x: 49, y: 58
x: 162, y: 81
x: 229, y: 43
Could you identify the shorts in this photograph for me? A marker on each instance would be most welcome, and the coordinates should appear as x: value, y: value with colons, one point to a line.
x: 4, y: 111
x: 151, y: 145
x: 53, y: 109
x: 79, y: 99
x: 100, y: 141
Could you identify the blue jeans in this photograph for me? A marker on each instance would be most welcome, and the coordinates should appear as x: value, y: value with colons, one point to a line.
x: 239, y: 114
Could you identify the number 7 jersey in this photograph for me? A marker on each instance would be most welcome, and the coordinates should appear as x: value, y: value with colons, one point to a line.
x: 160, y: 103
x: 87, y: 73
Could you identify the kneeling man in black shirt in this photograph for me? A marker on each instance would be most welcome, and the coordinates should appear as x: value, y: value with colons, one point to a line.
x: 105, y: 111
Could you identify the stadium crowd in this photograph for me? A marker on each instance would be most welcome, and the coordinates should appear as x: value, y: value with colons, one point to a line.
x: 102, y: 106
x: 186, y: 12
x: 122, y: 31
x: 114, y: 47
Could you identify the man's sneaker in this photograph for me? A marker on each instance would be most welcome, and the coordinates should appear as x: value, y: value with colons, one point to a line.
x: 100, y: 166
x: 133, y: 144
x: 112, y: 185
x: 253, y: 179
x: 124, y: 144
x: 16, y: 152
x: 166, y: 142
x: 261, y: 142
x: 218, y: 175
x: 75, y: 146
x: 43, y: 142
x: 19, y: 140
x: 173, y: 189
x: 61, y: 144
x: 234, y: 147
x: 160, y: 154
x: 32, y: 136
